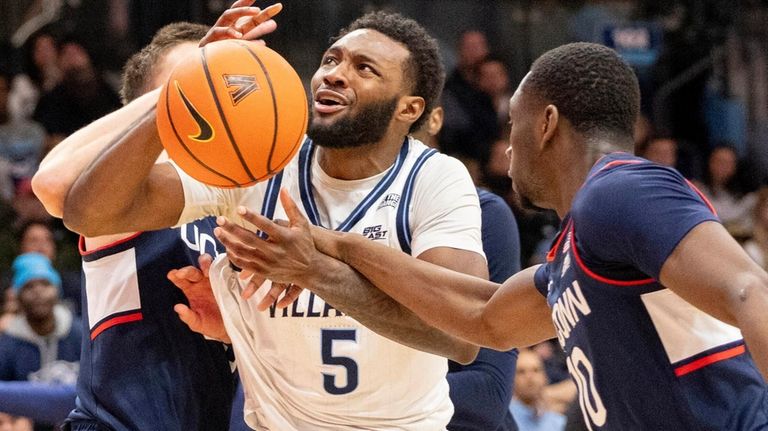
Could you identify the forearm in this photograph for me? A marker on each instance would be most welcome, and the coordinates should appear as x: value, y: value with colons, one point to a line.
x: 347, y: 290
x: 67, y: 160
x: 749, y: 304
x: 416, y: 285
x: 117, y: 192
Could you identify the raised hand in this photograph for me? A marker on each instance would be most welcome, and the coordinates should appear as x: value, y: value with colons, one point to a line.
x: 243, y: 21
x: 202, y: 315
x: 286, y: 257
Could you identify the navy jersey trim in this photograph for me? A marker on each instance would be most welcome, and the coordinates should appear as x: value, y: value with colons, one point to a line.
x: 269, y: 205
x: 402, y: 222
x: 120, y: 318
x: 709, y: 357
x: 121, y: 244
x: 308, y: 199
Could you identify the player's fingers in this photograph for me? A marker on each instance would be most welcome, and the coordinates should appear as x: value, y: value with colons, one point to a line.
x: 290, y: 295
x: 291, y: 210
x: 273, y: 230
x: 271, y: 297
x: 259, y: 31
x: 219, y: 33
x: 252, y: 287
x: 189, y: 317
x: 205, y: 261
x: 230, y: 16
x: 190, y: 273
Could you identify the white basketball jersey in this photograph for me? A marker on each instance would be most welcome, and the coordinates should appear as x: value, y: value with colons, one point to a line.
x: 309, y: 366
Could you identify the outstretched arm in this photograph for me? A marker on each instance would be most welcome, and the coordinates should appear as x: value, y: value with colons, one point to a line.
x: 711, y: 271
x: 62, y: 165
x: 517, y: 315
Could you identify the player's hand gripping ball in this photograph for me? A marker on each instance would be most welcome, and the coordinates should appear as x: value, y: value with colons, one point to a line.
x: 233, y: 115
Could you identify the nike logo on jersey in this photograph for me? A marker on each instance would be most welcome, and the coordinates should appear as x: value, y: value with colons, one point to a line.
x: 206, y: 133
x: 244, y: 85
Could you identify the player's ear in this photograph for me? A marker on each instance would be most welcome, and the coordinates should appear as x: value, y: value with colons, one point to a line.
x: 550, y: 121
x: 409, y: 109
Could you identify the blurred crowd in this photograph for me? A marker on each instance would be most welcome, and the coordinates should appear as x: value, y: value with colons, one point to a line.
x: 58, y: 88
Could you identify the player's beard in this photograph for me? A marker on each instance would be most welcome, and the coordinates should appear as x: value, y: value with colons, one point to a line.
x: 363, y: 128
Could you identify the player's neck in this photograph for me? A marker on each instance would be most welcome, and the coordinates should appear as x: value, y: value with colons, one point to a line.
x: 359, y: 162
x: 568, y: 179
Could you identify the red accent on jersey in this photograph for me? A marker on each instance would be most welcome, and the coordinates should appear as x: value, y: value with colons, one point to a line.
x: 126, y: 318
x: 553, y: 251
x: 701, y: 195
x: 599, y: 277
x: 709, y: 360
x: 84, y: 252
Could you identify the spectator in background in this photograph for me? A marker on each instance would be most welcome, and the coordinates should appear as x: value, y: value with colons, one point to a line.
x: 660, y: 150
x: 493, y: 80
x: 21, y: 144
x: 470, y: 117
x: 41, y: 73
x: 81, y: 97
x: 38, y: 237
x: 725, y: 192
x: 42, y: 343
x: 757, y: 245
x: 12, y: 423
x: 528, y: 406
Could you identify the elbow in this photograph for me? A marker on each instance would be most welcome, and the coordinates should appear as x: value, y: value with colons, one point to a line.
x: 750, y: 293
x: 84, y: 219
x: 466, y: 354
x: 48, y: 189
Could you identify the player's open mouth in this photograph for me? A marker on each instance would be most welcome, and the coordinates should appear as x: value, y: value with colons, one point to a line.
x: 328, y: 102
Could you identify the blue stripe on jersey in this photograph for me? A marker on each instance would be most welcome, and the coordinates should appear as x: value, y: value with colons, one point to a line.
x: 270, y: 199
x: 305, y: 186
x: 402, y: 220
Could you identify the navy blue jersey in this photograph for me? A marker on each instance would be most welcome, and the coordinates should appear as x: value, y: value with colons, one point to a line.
x: 141, y: 367
x: 641, y: 357
x: 481, y: 391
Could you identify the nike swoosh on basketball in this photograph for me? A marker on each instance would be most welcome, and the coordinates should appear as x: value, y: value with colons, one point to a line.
x: 206, y: 131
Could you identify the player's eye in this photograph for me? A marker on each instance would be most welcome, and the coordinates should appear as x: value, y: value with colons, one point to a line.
x: 329, y: 60
x: 364, y: 67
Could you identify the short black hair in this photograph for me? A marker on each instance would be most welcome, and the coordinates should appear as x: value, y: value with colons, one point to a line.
x: 590, y: 85
x: 138, y: 69
x: 424, y: 68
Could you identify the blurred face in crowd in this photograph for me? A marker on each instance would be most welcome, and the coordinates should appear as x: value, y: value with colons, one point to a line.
x: 74, y: 58
x: 44, y: 52
x: 38, y: 238
x: 473, y: 47
x: 357, y: 89
x: 492, y: 78
x: 37, y: 299
x: 530, y: 378
x: 722, y: 165
x: 4, y: 89
x: 662, y: 151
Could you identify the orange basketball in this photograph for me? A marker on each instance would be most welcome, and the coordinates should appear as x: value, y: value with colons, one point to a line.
x: 233, y: 115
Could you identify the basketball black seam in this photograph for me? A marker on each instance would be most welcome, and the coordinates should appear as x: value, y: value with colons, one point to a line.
x: 274, y: 104
x: 221, y: 115
x: 298, y: 143
x: 181, y: 142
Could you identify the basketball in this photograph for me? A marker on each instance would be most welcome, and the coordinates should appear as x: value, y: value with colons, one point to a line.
x: 234, y: 115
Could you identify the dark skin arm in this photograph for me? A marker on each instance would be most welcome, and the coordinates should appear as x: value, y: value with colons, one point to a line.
x: 289, y: 256
x: 711, y: 271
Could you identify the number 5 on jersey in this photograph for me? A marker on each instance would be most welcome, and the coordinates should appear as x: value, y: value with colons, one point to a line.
x: 329, y: 338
